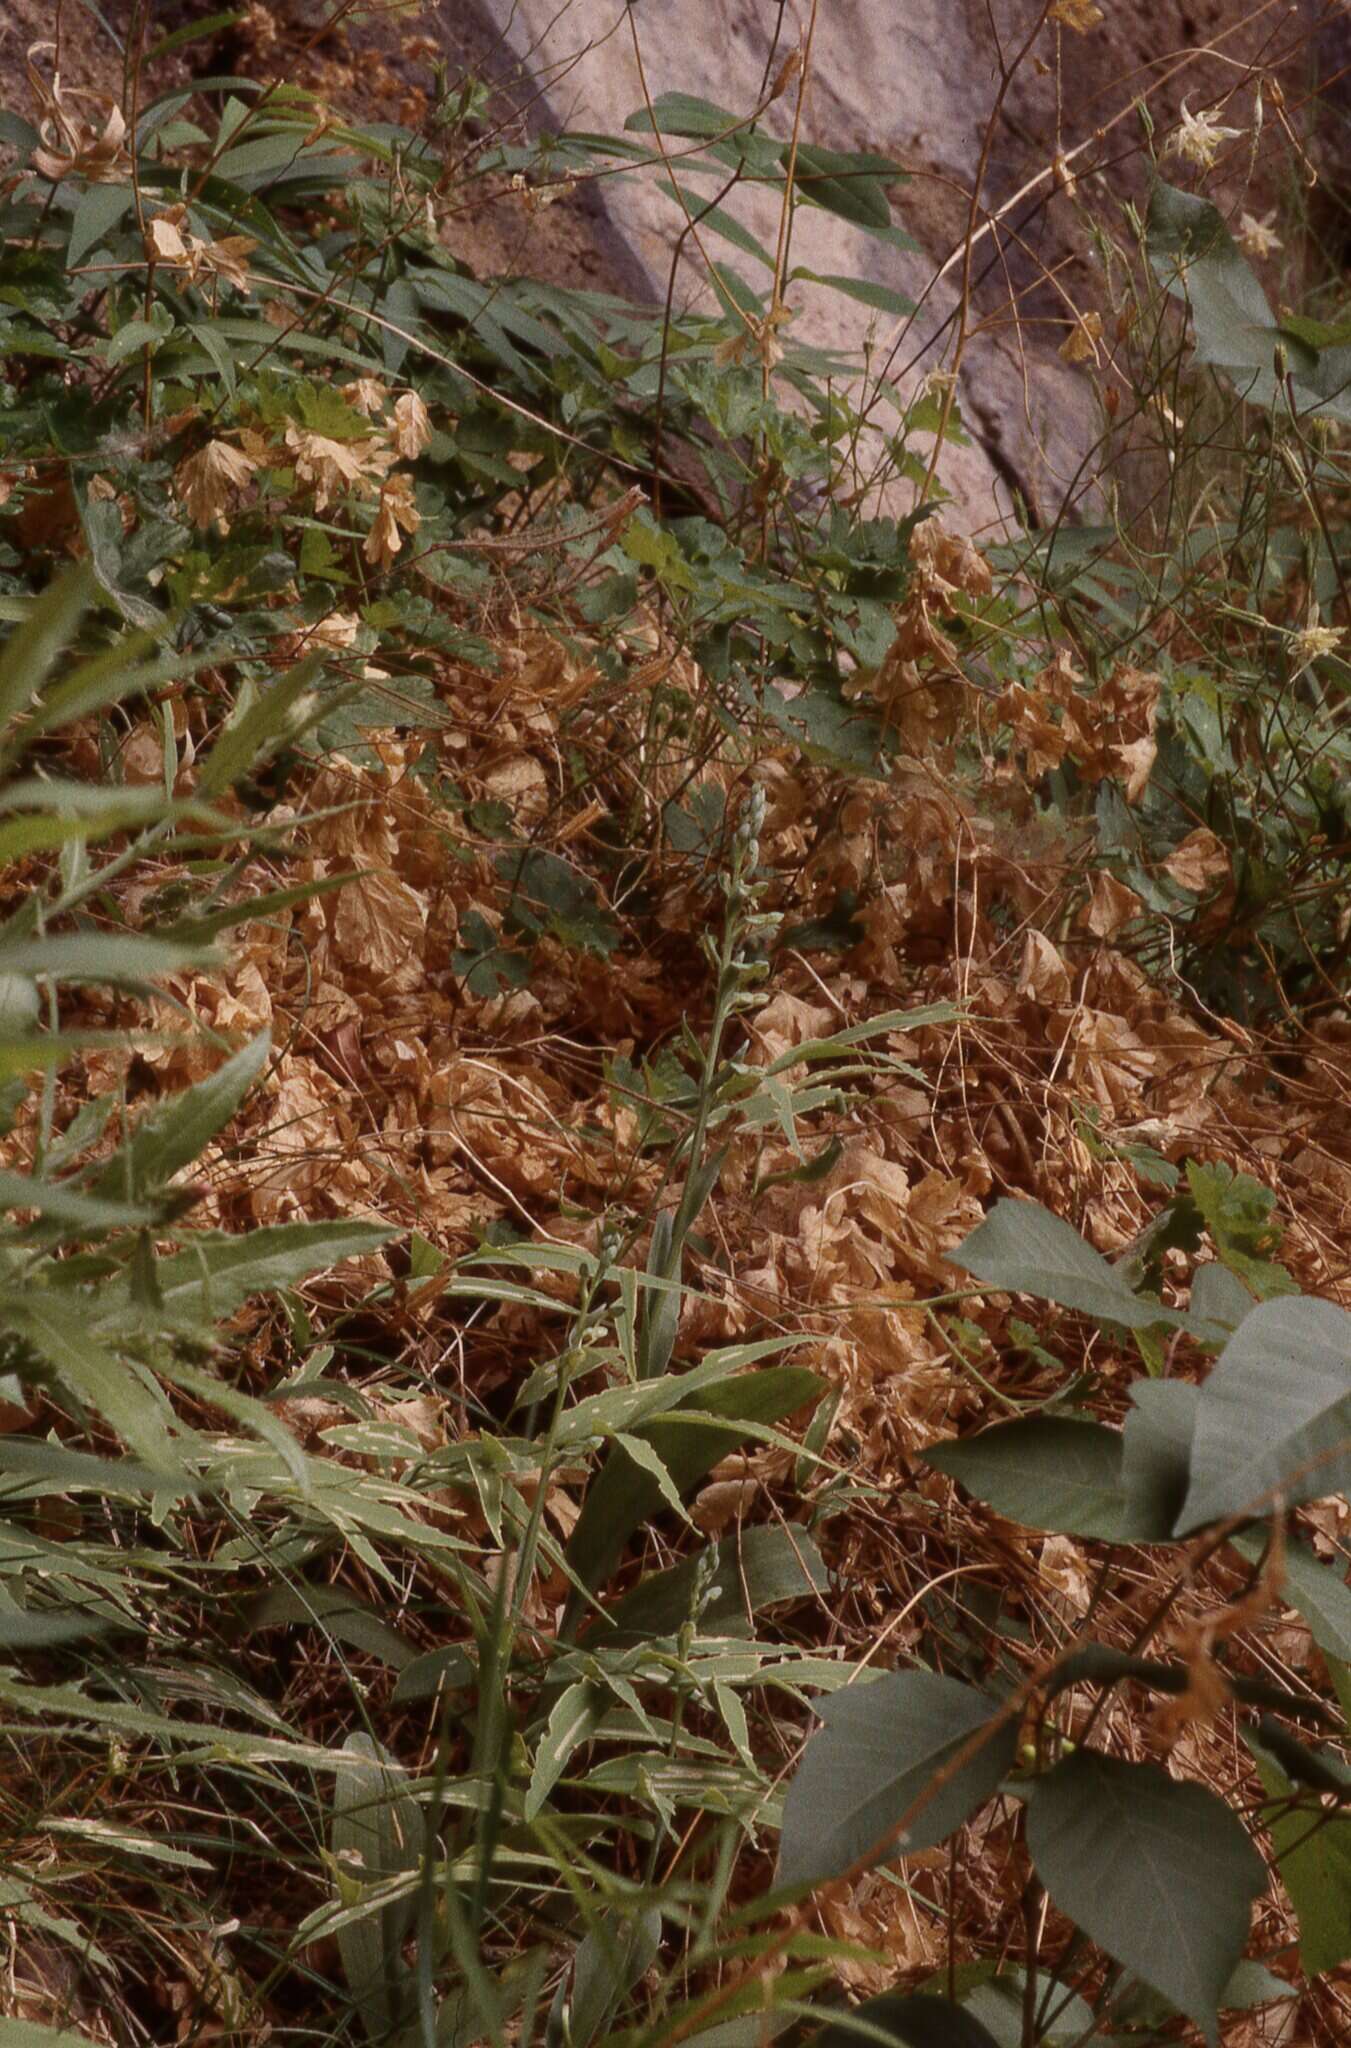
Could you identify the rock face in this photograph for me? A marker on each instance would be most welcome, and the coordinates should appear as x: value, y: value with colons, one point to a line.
x: 969, y: 96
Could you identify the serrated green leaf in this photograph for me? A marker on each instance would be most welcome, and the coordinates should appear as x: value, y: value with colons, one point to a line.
x: 97, y: 1377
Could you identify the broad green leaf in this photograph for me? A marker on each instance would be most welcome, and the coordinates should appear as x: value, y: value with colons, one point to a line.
x: 755, y: 1568
x: 1274, y: 1416
x: 1156, y: 1454
x: 920, y: 2021
x: 1024, y: 1249
x: 1313, y: 1860
x: 1219, y: 1296
x: 882, y: 1746
x: 1161, y: 1875
x: 852, y: 186
x: 879, y: 296
x: 621, y: 1497
x: 99, y: 209
x: 1318, y: 1591
x: 176, y: 1134
x: 1049, y: 1473
x: 576, y: 1715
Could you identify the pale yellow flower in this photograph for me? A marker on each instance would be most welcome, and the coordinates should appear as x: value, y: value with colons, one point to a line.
x: 1258, y: 237
x: 1312, y: 642
x: 1199, y: 138
x: 1080, y: 15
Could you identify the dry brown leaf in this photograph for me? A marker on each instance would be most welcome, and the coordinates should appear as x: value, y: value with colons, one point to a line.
x: 412, y: 425
x: 1110, y: 905
x: 209, y: 483
x: 396, y: 511
x: 1199, y: 860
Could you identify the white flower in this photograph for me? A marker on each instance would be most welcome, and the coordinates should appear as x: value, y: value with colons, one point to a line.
x: 1199, y: 138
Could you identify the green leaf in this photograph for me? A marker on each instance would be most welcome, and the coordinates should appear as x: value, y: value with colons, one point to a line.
x: 689, y: 1441
x: 269, y: 718
x: 883, y: 1743
x: 577, y: 1713
x: 36, y: 1468
x: 30, y: 651
x: 376, y: 1834
x: 609, y: 1962
x: 1161, y: 1875
x: 178, y: 1133
x: 339, y: 1613
x: 29, y: 2034
x: 99, y: 956
x: 99, y: 209
x: 217, y: 1272
x: 1024, y: 1249
x: 1318, y: 1591
x: 850, y: 185
x: 63, y: 1204
x: 100, y: 1380
x: 1048, y: 1473
x: 919, y: 2021
x: 1156, y: 1455
x: 680, y: 113
x: 863, y: 289
x: 754, y: 1569
x: 1274, y: 1417
x: 1314, y: 1862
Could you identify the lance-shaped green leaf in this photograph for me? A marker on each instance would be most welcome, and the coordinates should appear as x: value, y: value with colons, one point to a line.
x: 689, y: 1440
x: 1274, y: 1417
x: 376, y: 1834
x: 919, y: 2021
x: 172, y: 1137
x: 1161, y: 1875
x: 883, y: 1747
